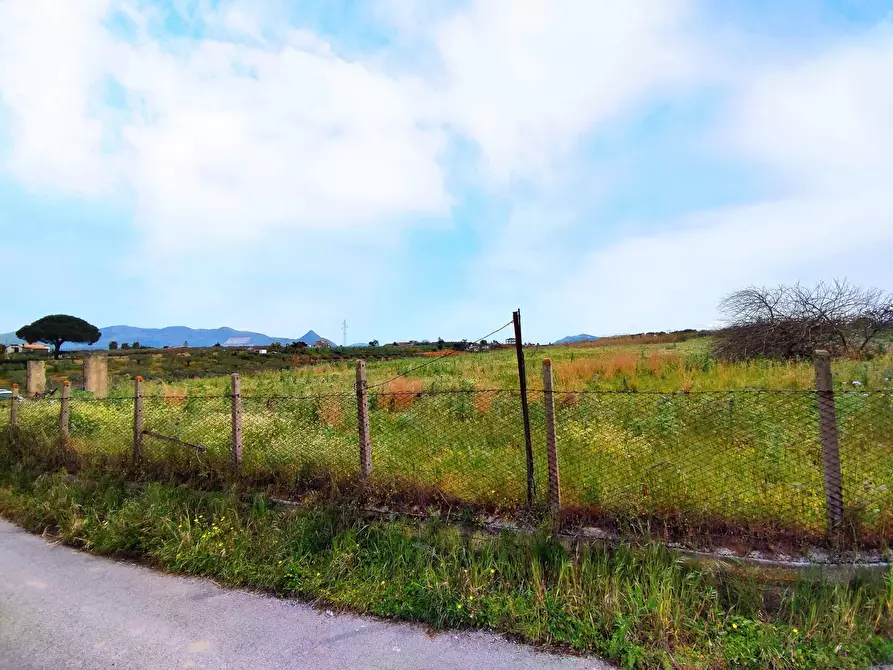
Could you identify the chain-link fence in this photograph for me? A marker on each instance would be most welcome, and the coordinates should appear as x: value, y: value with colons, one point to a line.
x: 750, y: 458
x: 449, y: 446
x: 753, y: 462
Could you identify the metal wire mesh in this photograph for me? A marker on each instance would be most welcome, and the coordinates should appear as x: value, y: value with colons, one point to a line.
x: 755, y: 460
x: 457, y: 446
x: 4, y: 414
x: 749, y: 458
x: 865, y: 428
x: 36, y: 426
x: 302, y: 441
x: 186, y: 434
x: 100, y: 430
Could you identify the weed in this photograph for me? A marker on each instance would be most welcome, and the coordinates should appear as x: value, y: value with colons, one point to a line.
x: 641, y: 607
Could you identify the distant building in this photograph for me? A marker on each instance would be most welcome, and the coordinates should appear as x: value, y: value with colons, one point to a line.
x: 237, y: 342
x: 321, y: 344
x: 25, y: 348
x: 261, y: 351
x: 510, y: 340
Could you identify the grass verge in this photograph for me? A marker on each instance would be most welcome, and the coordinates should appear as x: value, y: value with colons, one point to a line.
x: 640, y: 607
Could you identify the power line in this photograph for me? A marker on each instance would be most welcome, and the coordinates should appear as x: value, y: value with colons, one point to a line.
x: 438, y: 358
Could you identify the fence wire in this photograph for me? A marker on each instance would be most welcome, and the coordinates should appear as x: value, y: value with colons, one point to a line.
x: 465, y: 446
x: 865, y: 427
x: 749, y: 460
x: 303, y: 441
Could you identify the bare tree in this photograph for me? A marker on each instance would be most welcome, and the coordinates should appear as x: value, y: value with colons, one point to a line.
x: 794, y: 321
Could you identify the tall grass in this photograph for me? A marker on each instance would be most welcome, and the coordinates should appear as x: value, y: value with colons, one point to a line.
x: 745, y: 463
x: 640, y: 607
x: 692, y: 460
x: 657, y: 367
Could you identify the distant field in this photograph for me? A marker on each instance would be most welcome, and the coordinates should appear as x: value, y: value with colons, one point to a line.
x: 685, y: 366
x: 602, y: 365
x: 180, y: 363
x: 643, y: 430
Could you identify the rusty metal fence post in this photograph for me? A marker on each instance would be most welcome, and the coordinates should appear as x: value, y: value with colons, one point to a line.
x: 65, y: 413
x: 236, y: 445
x: 551, y: 446
x: 525, y: 411
x: 137, y: 418
x: 830, y: 441
x: 363, y: 422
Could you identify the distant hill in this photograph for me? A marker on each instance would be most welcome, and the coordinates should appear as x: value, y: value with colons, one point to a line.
x: 572, y: 339
x: 175, y: 336
x: 311, y: 337
x: 9, y: 338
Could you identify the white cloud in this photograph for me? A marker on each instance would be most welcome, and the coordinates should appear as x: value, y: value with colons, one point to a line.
x: 242, y: 133
x: 675, y: 278
x: 263, y: 132
x: 309, y: 141
x: 527, y: 79
x: 230, y: 135
x: 818, y: 130
x: 223, y: 139
x: 50, y: 54
x: 823, y: 122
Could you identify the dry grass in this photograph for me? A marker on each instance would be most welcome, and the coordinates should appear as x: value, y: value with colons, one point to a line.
x: 576, y: 373
x: 331, y: 411
x: 569, y: 399
x: 620, y: 363
x: 483, y: 402
x: 625, y: 340
x: 172, y: 396
x: 399, y: 394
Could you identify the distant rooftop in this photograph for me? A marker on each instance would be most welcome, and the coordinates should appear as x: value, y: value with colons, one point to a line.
x: 237, y: 342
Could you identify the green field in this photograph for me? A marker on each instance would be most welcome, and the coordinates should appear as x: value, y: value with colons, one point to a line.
x: 659, y: 432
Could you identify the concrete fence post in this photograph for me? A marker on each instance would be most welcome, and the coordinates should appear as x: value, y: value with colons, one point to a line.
x: 137, y: 418
x: 65, y: 413
x: 363, y: 422
x: 96, y: 375
x: 35, y: 378
x: 237, y: 421
x: 14, y: 409
x: 551, y: 446
x: 830, y: 441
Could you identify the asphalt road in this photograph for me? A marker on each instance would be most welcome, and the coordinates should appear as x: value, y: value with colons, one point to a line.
x: 60, y: 608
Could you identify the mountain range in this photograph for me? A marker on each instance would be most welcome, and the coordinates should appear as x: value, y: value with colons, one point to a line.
x: 572, y: 339
x: 177, y: 336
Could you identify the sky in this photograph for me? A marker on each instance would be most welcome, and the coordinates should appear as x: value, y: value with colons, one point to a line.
x: 421, y: 168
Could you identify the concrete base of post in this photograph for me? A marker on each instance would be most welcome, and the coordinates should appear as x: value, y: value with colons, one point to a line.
x: 35, y: 378
x: 96, y: 375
